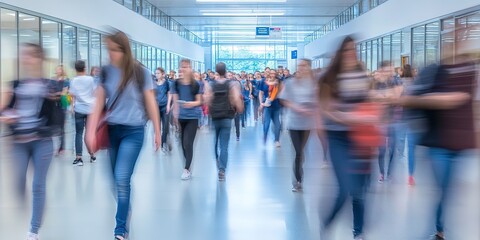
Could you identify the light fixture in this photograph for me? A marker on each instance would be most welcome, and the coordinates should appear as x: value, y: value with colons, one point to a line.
x: 245, y: 14
x: 241, y: 1
x: 242, y: 12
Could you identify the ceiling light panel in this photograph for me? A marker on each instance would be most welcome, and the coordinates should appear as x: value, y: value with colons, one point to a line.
x: 241, y: 1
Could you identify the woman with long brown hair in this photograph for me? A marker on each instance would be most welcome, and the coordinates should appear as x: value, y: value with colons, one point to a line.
x: 131, y: 102
x: 344, y: 86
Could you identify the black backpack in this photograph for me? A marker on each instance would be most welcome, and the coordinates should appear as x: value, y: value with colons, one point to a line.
x: 220, y: 107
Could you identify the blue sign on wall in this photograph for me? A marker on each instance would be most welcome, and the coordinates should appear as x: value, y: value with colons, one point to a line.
x: 294, y: 54
x: 263, y: 31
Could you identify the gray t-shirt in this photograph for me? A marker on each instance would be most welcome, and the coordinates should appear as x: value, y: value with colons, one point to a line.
x: 130, y: 107
x: 301, y: 92
x: 83, y: 89
x: 29, y: 97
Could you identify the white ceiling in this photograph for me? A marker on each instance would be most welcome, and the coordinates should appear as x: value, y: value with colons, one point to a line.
x: 299, y: 18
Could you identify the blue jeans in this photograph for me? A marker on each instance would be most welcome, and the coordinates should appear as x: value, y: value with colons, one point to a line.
x: 271, y: 114
x: 41, y: 153
x: 412, y: 141
x: 444, y: 165
x: 222, y: 138
x: 125, y: 145
x: 349, y: 183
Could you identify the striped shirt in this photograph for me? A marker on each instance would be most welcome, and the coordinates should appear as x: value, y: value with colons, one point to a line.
x: 352, y: 88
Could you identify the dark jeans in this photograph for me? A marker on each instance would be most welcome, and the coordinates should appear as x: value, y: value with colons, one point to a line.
x: 165, y: 124
x: 349, y: 184
x: 299, y: 139
x: 237, y: 125
x: 40, y: 152
x: 246, y: 112
x: 222, y: 138
x: 256, y: 105
x: 271, y: 114
x: 80, y: 120
x: 125, y: 145
x: 188, y: 133
x: 445, y: 163
x: 412, y: 141
x: 391, y: 143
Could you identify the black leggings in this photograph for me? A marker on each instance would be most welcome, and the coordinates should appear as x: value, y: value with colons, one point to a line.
x: 165, y: 124
x: 188, y: 131
x: 299, y: 139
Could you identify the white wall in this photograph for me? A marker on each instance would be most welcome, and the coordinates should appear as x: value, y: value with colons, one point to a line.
x: 98, y: 14
x: 391, y: 16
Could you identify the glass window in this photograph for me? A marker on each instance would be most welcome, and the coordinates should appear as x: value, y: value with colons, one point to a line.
x: 51, y: 36
x: 128, y: 4
x: 144, y: 55
x: 9, y: 46
x: 138, y: 6
x: 225, y: 51
x: 159, y: 59
x: 397, y: 49
x: 375, y: 61
x: 168, y: 61
x: 69, y: 48
x: 386, y: 53
x: 418, y: 47
x: 104, y: 53
x: 432, y: 48
x: 146, y: 9
x: 119, y: 1
x: 83, y: 46
x: 95, y: 45
x: 369, y: 56
x: 29, y: 29
x: 164, y: 60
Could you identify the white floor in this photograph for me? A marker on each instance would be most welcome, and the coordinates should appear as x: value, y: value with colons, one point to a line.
x: 255, y: 202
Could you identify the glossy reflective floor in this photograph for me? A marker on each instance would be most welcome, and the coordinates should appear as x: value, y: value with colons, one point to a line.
x: 255, y: 202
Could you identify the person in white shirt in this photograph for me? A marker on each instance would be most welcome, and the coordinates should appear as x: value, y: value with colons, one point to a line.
x: 82, y: 90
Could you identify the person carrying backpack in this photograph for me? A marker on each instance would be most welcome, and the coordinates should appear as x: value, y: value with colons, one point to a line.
x: 32, y: 114
x: 223, y: 99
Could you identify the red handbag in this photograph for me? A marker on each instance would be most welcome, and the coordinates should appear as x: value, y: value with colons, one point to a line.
x: 367, y: 137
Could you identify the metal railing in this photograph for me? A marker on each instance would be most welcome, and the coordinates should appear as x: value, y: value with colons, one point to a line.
x: 155, y: 15
x: 354, y: 11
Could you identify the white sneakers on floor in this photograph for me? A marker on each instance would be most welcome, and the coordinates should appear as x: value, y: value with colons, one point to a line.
x: 277, y: 144
x: 32, y: 236
x: 186, y: 175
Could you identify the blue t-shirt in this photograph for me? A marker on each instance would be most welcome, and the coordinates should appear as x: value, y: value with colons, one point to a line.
x: 264, y: 88
x: 185, y: 93
x: 255, y: 87
x: 162, y: 93
x: 130, y: 107
x: 245, y: 91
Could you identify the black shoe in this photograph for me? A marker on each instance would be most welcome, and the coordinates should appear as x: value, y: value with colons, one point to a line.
x: 93, y: 159
x: 78, y: 162
x: 437, y: 237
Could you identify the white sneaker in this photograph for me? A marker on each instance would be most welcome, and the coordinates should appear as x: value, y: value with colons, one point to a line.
x: 186, y: 175
x: 32, y: 236
x: 277, y: 144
